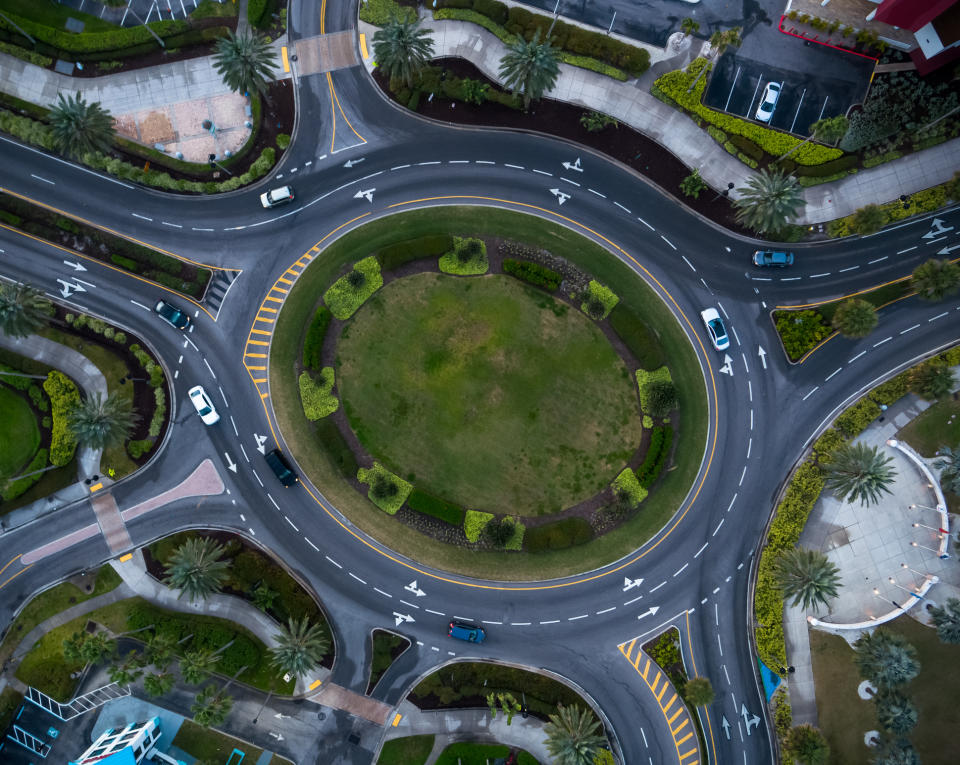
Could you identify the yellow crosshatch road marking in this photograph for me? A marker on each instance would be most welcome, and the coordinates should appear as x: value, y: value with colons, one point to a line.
x: 635, y: 655
x: 256, y: 355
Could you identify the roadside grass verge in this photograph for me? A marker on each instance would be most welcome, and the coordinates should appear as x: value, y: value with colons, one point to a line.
x: 409, y: 750
x: 564, y: 242
x: 209, y: 745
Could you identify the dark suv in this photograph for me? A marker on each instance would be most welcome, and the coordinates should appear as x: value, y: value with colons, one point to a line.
x: 281, y: 468
x: 172, y: 315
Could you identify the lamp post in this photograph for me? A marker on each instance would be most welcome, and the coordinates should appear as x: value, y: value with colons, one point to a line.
x: 724, y: 193
x: 925, y: 507
x: 942, y: 556
x: 876, y: 594
x: 940, y: 532
x: 915, y: 594
x: 907, y: 568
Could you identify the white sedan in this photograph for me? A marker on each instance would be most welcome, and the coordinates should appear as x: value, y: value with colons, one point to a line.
x: 201, y: 402
x: 768, y: 102
x: 715, y: 328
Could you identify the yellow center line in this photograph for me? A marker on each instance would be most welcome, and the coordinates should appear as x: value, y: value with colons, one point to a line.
x: 14, y: 559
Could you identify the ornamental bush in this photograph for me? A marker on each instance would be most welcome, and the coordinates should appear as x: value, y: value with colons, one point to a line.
x: 672, y: 87
x: 533, y: 273
x: 159, y: 412
x: 598, y: 301
x: 136, y: 449
x: 658, y: 452
x: 379, y: 12
x: 316, y: 395
x: 627, y: 489
x: 64, y: 398
x: 800, y: 331
x: 467, y: 258
x: 343, y: 299
x: 313, y: 342
x: 387, y: 491
x: 644, y: 378
x: 474, y: 522
x: 855, y: 419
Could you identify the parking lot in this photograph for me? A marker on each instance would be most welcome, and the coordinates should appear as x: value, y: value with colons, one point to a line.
x: 737, y: 85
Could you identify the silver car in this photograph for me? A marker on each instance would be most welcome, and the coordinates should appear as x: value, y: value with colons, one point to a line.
x: 771, y: 94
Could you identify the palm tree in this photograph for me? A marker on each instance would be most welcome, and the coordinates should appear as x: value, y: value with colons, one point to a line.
x: 868, y: 219
x: 573, y: 736
x: 245, y: 62
x: 719, y: 41
x: 858, y: 471
x: 211, y: 706
x: 933, y: 380
x: 769, y: 201
x: 23, y: 309
x: 935, y: 279
x: 895, y: 751
x: 300, y: 647
x: 126, y: 671
x: 886, y: 659
x: 895, y: 712
x: 158, y: 684
x: 807, y: 576
x: 855, y: 318
x: 402, y: 48
x: 530, y: 68
x: 689, y: 27
x: 196, y: 666
x: 159, y: 651
x: 264, y: 597
x: 806, y: 745
x: 100, y: 423
x: 949, y: 467
x: 97, y: 647
x: 698, y: 691
x: 947, y: 621
x: 80, y: 128
x: 195, y: 568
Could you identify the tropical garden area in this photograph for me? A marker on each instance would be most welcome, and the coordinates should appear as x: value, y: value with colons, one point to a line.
x: 46, y: 418
x: 518, y: 418
x: 85, y: 132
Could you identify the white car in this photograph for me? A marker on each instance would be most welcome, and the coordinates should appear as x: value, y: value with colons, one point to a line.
x: 715, y: 328
x: 201, y: 402
x: 768, y: 102
x: 276, y: 197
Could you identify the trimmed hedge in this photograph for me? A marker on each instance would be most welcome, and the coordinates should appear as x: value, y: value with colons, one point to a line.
x: 856, y: 418
x: 94, y: 42
x: 567, y: 532
x: 389, y: 504
x: 658, y: 452
x: 644, y: 378
x: 450, y: 262
x: 474, y: 522
x: 671, y: 88
x: 379, y: 12
x: 920, y: 202
x: 604, y: 294
x: 64, y: 398
x: 534, y: 273
x: 316, y: 397
x: 428, y: 504
x: 400, y: 253
x: 626, y: 484
x: 343, y: 299
x: 313, y: 342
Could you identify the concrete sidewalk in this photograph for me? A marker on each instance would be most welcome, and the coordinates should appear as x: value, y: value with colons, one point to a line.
x: 453, y: 725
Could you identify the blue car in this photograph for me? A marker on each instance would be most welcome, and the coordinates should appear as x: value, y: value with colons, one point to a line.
x: 466, y: 631
x: 772, y: 258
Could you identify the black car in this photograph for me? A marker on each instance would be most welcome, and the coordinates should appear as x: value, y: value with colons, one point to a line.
x: 281, y: 468
x: 172, y: 315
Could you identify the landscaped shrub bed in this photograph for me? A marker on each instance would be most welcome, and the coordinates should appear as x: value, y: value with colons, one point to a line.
x: 534, y: 273
x: 474, y: 522
x: 171, y: 272
x: 627, y: 488
x: 921, y: 202
x: 64, y: 397
x: 672, y: 87
x: 598, y: 300
x: 387, y: 491
x: 435, y: 506
x: 316, y: 394
x: 350, y: 292
x: 467, y: 258
x: 313, y: 342
x: 395, y: 255
x: 658, y: 452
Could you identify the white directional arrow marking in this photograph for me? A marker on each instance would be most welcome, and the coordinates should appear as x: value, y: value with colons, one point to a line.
x: 763, y: 356
x: 281, y: 716
x: 649, y: 612
x: 936, y: 229
x: 260, y: 441
x: 561, y: 197
x: 629, y: 584
x: 401, y: 618
x: 748, y: 721
x: 69, y: 288
x: 575, y: 166
x: 368, y: 195
x: 352, y: 162
x: 230, y: 463
x: 75, y: 266
x: 412, y: 587
x: 948, y: 250
x: 725, y: 725
x: 277, y: 736
x: 727, y: 367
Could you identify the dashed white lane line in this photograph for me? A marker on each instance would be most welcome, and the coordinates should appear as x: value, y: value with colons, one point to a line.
x: 909, y: 329
x: 634, y: 600
x: 745, y: 364
x: 141, y: 217
x: 688, y: 263
x: 315, y: 548
x: 844, y: 270
x: 431, y: 611
x: 172, y: 225
x: 735, y: 335
x: 789, y: 278
x: 697, y: 554
x: 623, y: 208
x: 210, y: 368
x: 433, y: 162
x: 146, y: 308
x: 514, y: 167
x: 735, y: 495
x: 567, y: 180
x: 856, y: 357
x: 817, y: 276
x: 811, y: 393
x: 551, y: 621
x: 607, y: 610
x: 743, y: 475
x: 356, y: 577
x: 934, y: 241
x: 668, y: 241
x: 718, y: 527
x: 542, y: 172
x: 291, y: 524
x: 900, y: 252
x: 490, y: 622
x: 434, y: 648
x: 412, y: 605
x: 749, y: 446
x: 458, y: 162
x: 658, y: 586
x: 877, y: 260
x: 938, y: 316
x: 235, y: 431
x: 716, y: 590
x: 750, y: 390
x: 720, y: 305
x: 274, y: 503
x: 385, y: 594
x: 646, y: 224
x: 680, y: 570
x: 463, y: 618
x: 242, y: 449
x: 719, y: 644
x: 485, y: 162
x: 835, y: 372
x: 885, y: 340
x: 575, y: 618
x: 332, y: 561
x: 400, y: 167
x: 42, y: 179
x: 520, y: 624
x: 597, y: 193
x: 257, y: 477
x: 751, y: 419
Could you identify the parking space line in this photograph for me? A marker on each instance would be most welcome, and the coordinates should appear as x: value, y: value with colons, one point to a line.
x: 730, y: 94
x: 759, y: 80
x: 824, y: 108
x: 797, y: 114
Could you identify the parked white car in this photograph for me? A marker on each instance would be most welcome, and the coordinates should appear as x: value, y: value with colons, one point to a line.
x: 771, y: 94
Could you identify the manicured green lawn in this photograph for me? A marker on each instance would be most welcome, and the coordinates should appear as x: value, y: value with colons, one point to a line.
x: 487, y: 393
x: 51, y: 602
x: 931, y: 430
x: 45, y: 667
x: 474, y: 754
x: 209, y: 745
x: 844, y: 717
x: 301, y: 437
x: 410, y: 750
x: 19, y: 432
x: 10, y: 701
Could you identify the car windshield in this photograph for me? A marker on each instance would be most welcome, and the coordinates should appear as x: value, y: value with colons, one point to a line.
x: 718, y: 330
x: 204, y: 410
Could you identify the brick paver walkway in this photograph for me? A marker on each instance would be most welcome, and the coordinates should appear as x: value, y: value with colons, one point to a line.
x: 111, y: 523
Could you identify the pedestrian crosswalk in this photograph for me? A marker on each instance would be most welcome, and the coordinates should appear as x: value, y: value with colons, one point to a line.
x: 220, y: 283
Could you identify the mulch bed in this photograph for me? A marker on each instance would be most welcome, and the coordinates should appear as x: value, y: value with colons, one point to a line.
x: 623, y: 143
